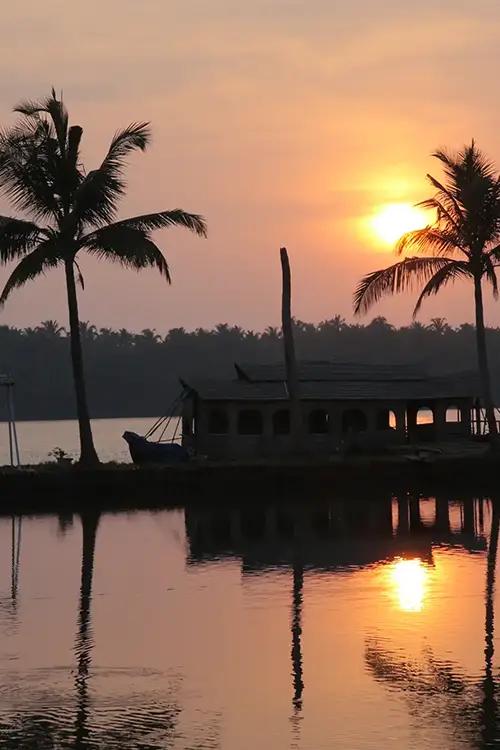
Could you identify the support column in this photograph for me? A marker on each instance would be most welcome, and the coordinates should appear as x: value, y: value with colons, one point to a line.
x: 411, y: 421
x: 466, y: 419
x: 439, y: 410
x: 400, y: 413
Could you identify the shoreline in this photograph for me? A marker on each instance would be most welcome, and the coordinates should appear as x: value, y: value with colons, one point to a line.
x: 46, y: 487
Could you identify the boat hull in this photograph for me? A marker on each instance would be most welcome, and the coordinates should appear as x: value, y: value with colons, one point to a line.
x: 142, y: 451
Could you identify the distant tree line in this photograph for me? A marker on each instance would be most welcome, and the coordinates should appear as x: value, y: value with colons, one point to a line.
x: 137, y: 374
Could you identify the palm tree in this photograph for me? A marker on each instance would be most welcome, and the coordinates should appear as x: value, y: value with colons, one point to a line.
x: 50, y: 329
x: 71, y: 211
x: 463, y: 243
x: 439, y: 326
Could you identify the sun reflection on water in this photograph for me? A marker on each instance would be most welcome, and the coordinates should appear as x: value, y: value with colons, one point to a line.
x: 408, y: 579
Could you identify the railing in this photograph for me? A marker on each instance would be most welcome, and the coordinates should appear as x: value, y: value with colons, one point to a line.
x: 479, y: 423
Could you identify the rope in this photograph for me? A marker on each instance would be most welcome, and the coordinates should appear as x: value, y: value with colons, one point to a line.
x: 164, y: 422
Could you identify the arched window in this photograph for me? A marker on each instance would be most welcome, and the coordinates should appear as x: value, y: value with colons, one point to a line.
x: 386, y: 420
x: 318, y: 422
x: 250, y: 422
x: 354, y: 420
x: 425, y: 415
x: 281, y: 422
x: 453, y: 415
x: 218, y: 422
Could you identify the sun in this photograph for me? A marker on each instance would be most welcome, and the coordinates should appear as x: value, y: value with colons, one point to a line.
x: 393, y: 220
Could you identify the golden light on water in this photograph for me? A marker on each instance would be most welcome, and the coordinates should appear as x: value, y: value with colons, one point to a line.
x: 391, y: 221
x: 408, y: 579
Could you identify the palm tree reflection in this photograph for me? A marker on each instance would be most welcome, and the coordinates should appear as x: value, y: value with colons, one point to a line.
x: 147, y: 726
x: 16, y: 555
x: 84, y: 640
x: 152, y: 720
x: 489, y: 723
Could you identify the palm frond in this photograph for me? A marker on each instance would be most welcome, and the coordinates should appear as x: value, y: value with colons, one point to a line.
x: 135, y: 137
x: 56, y: 110
x: 175, y: 218
x: 28, y: 166
x: 399, y: 277
x: 79, y: 275
x: 32, y: 265
x: 490, y: 274
x: 452, y: 271
x: 429, y: 240
x: 448, y: 196
x: 131, y: 248
x: 445, y: 212
x: 18, y: 237
x: 74, y: 137
x: 96, y: 198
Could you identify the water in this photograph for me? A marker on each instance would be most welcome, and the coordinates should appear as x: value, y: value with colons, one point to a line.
x: 352, y: 624
x: 38, y: 439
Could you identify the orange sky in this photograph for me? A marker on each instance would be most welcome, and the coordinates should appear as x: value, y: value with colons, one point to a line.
x: 282, y: 121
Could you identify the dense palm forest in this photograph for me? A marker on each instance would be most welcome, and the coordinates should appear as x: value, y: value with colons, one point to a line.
x: 137, y: 374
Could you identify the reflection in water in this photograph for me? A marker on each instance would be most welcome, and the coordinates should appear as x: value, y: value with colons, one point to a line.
x: 490, y: 718
x: 408, y: 578
x: 84, y: 640
x: 296, y: 652
x: 438, y: 690
x: 346, y: 552
x: 15, y: 555
x: 133, y: 726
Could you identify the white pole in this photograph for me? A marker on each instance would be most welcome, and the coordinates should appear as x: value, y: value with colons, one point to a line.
x: 14, y: 428
x: 9, y: 417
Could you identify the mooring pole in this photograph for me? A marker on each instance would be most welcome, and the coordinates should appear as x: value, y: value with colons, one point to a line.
x: 12, y: 413
x: 9, y: 422
x: 292, y: 378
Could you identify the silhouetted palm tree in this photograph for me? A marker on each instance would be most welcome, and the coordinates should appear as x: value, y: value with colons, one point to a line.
x: 462, y: 244
x: 50, y: 329
x: 439, y: 325
x: 41, y: 172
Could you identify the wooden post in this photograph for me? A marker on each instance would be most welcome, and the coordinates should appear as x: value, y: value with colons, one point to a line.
x: 292, y: 378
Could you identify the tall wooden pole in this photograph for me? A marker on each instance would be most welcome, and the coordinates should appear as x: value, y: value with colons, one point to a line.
x: 292, y: 377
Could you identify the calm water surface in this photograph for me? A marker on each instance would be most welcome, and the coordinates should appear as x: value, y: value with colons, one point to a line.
x: 344, y: 624
x: 37, y: 439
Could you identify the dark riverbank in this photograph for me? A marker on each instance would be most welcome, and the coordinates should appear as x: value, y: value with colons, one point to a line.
x: 112, y: 486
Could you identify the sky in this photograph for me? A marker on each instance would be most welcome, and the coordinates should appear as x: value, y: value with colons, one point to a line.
x: 283, y: 122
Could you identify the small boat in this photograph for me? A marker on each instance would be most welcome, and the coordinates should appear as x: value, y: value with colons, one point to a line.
x: 144, y: 451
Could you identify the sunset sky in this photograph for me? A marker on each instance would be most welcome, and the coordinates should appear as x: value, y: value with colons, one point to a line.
x: 284, y: 122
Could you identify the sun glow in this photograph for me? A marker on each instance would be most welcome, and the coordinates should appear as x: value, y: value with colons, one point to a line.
x: 393, y: 220
x: 408, y: 578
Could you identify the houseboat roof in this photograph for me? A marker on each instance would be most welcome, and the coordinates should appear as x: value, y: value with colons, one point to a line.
x: 326, y: 371
x: 328, y: 381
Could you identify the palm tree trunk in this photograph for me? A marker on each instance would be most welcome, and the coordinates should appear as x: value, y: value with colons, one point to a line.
x: 88, y: 454
x: 482, y: 356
